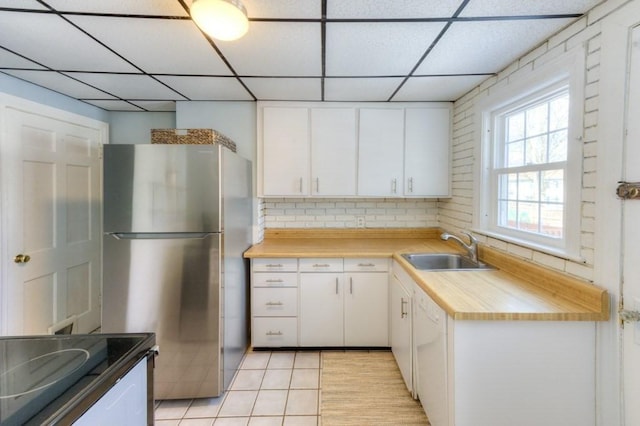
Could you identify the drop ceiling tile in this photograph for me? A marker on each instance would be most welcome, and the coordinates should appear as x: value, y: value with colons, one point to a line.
x: 157, y: 46
x: 387, y: 9
x: 156, y: 105
x: 22, y: 4
x: 291, y: 9
x: 114, y: 105
x: 376, y: 49
x: 11, y: 60
x: 445, y: 88
x: 128, y: 7
x: 276, y: 49
x: 49, y: 40
x: 129, y: 86
x: 291, y: 89
x: 208, y: 88
x: 360, y: 89
x: 60, y: 83
x: 520, y: 8
x: 487, y: 46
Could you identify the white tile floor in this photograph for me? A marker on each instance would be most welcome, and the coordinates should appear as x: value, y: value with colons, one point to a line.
x: 271, y: 388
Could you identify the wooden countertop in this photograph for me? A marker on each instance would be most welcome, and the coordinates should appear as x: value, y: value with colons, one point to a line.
x: 517, y: 290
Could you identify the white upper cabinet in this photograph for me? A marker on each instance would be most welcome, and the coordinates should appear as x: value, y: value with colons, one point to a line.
x: 426, y: 152
x: 333, y: 151
x: 308, y: 149
x: 381, y: 153
x: 285, y: 151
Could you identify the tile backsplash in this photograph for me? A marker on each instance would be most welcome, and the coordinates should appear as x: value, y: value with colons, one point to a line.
x: 349, y: 212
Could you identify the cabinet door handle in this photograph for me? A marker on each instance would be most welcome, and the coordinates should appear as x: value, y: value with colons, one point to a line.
x: 410, y: 184
x: 321, y: 265
x: 274, y: 265
x: 369, y: 265
x: 275, y: 281
x: 274, y: 303
x: 301, y: 185
x: 274, y: 333
x: 394, y: 185
x: 336, y: 285
x: 350, y: 285
x: 403, y: 303
x: 318, y: 185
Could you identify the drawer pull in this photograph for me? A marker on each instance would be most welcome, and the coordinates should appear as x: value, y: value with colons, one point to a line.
x: 274, y: 333
x: 275, y: 281
x: 321, y: 265
x: 274, y: 303
x: 274, y: 265
x: 368, y: 265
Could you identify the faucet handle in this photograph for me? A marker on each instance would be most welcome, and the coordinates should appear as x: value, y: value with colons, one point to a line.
x: 472, y: 239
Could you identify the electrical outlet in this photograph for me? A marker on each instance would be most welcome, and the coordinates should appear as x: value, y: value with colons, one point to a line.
x: 636, y: 329
x: 359, y: 221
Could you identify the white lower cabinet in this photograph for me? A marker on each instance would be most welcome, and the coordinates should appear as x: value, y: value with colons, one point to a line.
x: 400, y: 325
x: 321, y: 309
x: 366, y: 309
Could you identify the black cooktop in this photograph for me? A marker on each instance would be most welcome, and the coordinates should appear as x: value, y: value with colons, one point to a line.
x: 42, y: 378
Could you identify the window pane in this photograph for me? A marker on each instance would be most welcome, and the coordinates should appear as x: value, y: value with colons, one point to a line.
x: 552, y: 219
x: 515, y: 127
x: 515, y: 154
x: 559, y: 113
x: 513, y: 186
x: 537, y: 150
x: 536, y: 119
x: 508, y: 214
x: 552, y: 186
x: 528, y: 217
x: 528, y: 186
x: 558, y: 146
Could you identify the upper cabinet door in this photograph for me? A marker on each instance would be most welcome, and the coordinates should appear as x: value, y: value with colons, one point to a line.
x: 381, y: 151
x: 426, y: 152
x: 333, y: 151
x: 285, y: 151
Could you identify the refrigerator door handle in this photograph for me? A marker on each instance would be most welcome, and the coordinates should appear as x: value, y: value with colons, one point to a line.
x: 160, y: 235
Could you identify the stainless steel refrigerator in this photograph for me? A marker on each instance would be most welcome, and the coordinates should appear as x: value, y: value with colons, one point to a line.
x: 177, y: 219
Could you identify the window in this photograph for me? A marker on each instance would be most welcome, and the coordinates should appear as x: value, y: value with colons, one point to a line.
x: 530, y: 166
x: 530, y: 186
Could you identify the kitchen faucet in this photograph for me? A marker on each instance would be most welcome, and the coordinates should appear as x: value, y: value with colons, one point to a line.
x: 471, y: 248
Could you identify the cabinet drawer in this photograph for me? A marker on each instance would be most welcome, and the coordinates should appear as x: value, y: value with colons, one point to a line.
x: 366, y: 265
x: 275, y: 279
x: 275, y: 264
x: 274, y: 332
x: 275, y: 302
x: 321, y: 265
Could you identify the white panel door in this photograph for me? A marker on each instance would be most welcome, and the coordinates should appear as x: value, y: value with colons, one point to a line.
x: 333, y: 152
x: 51, y: 175
x: 285, y: 151
x: 630, y: 238
x: 380, y: 152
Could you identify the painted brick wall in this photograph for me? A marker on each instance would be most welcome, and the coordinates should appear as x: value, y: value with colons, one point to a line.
x: 458, y: 212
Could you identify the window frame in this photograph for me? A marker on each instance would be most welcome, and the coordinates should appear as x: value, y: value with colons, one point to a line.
x: 566, y: 73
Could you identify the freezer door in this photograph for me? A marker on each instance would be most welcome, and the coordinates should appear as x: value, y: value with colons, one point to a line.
x: 161, y: 188
x: 168, y: 284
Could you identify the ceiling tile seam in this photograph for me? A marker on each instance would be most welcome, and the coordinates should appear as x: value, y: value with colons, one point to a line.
x: 417, y: 20
x: 429, y: 49
x: 219, y: 52
x: 110, y: 49
x: 323, y: 48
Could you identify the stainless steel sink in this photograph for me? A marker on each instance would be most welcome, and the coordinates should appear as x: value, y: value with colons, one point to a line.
x: 443, y: 262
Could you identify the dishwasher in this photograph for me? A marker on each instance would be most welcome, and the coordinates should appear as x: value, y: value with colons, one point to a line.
x: 430, y: 343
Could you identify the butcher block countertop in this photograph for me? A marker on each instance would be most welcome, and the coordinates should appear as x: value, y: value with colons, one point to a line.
x: 516, y: 290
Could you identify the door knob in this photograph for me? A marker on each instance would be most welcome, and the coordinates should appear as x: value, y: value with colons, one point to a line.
x: 22, y: 258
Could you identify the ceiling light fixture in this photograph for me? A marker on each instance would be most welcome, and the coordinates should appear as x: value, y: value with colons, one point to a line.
x: 221, y: 19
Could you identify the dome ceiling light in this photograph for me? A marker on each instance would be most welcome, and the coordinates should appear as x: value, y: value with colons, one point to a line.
x: 221, y: 19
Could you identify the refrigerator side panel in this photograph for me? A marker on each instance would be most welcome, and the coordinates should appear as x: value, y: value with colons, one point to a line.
x: 161, y: 188
x: 237, y: 224
x: 170, y: 286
